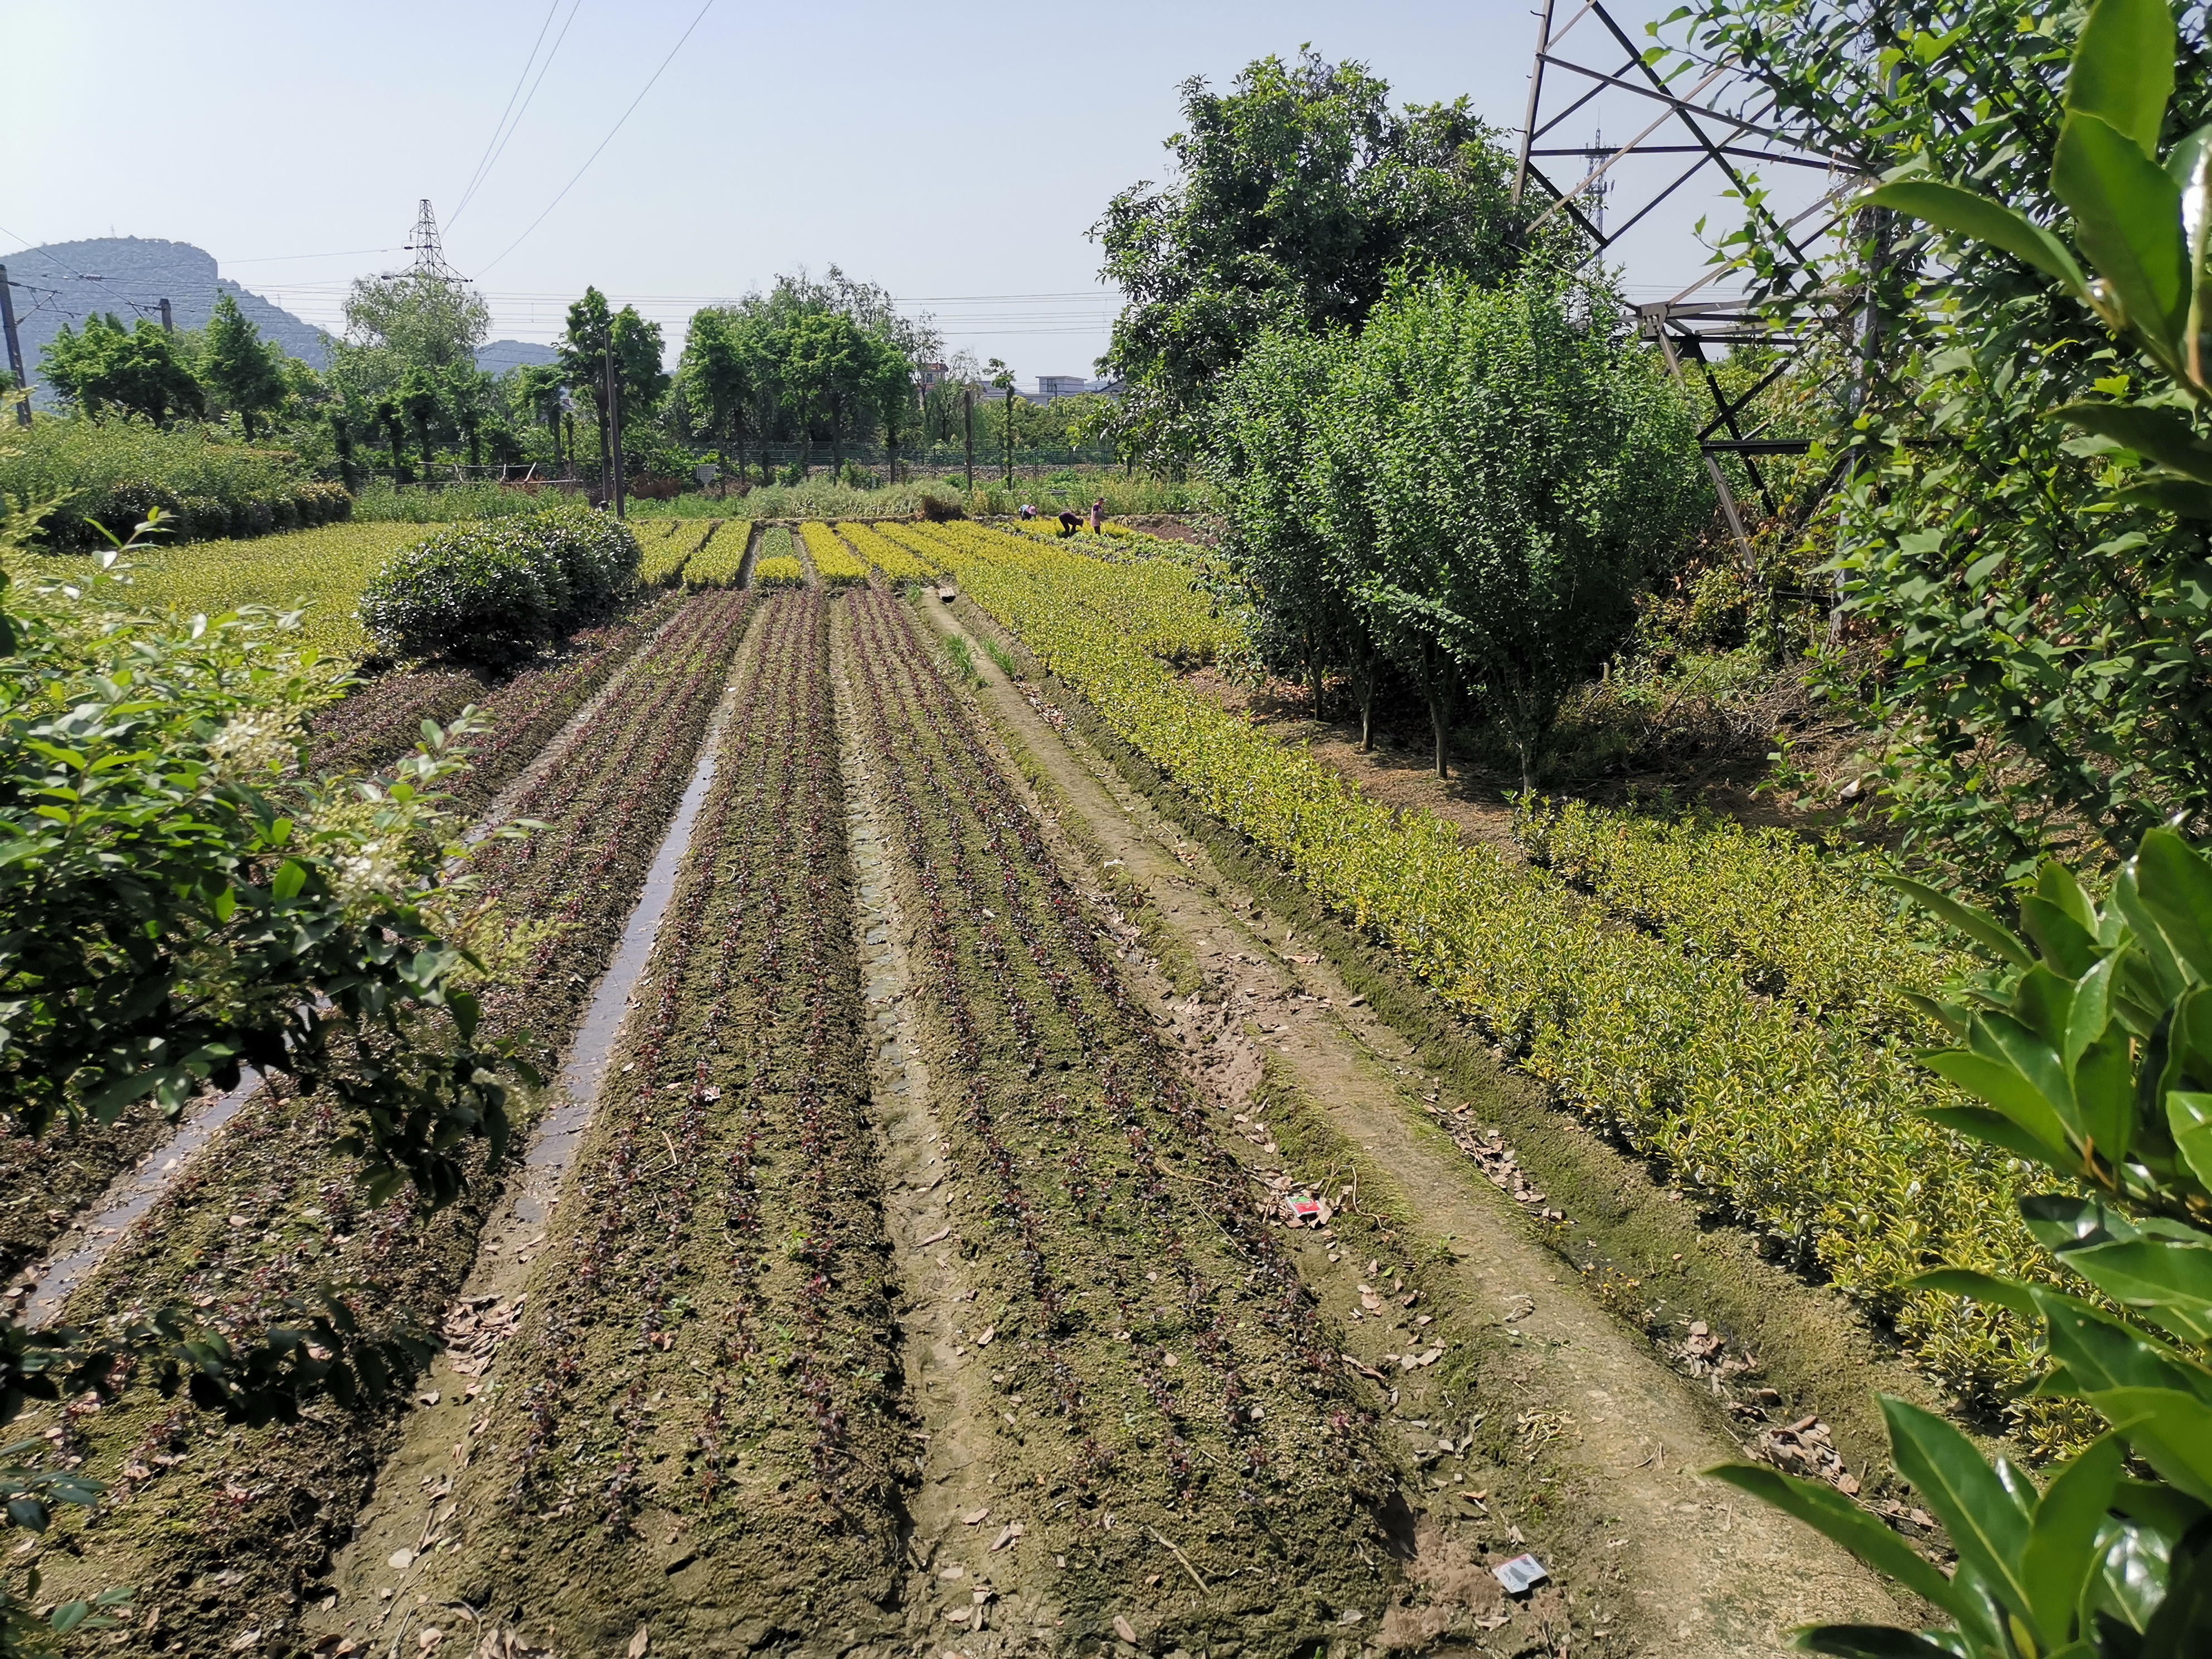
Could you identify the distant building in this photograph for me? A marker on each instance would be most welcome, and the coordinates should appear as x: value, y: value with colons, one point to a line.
x: 934, y: 374
x: 1050, y: 387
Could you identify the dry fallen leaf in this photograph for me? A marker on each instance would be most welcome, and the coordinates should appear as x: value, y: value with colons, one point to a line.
x: 639, y: 1642
x: 976, y: 1517
x: 1125, y: 1629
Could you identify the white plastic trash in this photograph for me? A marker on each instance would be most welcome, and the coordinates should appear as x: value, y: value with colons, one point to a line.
x: 1523, y: 1573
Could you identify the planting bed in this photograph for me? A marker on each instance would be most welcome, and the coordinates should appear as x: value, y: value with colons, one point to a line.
x: 222, y: 1529
x: 697, y: 1428
x: 1164, y: 1384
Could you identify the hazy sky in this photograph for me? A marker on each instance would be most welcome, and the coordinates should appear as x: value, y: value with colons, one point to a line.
x: 956, y: 153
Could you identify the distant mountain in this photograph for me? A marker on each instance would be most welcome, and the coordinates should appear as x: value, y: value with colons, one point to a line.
x: 130, y: 276
x: 500, y: 355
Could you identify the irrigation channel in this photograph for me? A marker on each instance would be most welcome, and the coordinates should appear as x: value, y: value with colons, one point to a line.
x: 901, y: 1265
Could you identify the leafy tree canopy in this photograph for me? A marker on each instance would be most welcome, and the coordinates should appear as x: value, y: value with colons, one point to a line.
x: 1297, y: 194
x: 139, y: 371
x: 243, y: 371
x: 412, y: 320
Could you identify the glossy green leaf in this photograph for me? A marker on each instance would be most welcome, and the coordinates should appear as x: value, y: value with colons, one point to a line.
x: 2173, y: 882
x: 2127, y: 215
x: 1821, y: 1507
x: 2163, y: 492
x: 2159, y: 434
x: 2173, y: 1281
x: 2123, y: 69
x: 2105, y: 1097
x: 2169, y: 1429
x: 2182, y: 1627
x: 1980, y: 1123
x: 1987, y: 1523
x: 1968, y: 213
x: 2009, y: 1093
x: 2189, y: 1114
x: 2064, y: 942
x: 1985, y: 930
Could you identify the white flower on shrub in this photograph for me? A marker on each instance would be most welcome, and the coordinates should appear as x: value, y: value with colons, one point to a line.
x: 371, y: 871
x: 252, y: 744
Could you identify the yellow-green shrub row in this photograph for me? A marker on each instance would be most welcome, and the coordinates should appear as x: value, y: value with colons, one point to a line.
x: 834, y: 561
x: 1805, y: 924
x: 321, y: 571
x: 900, y: 564
x: 668, y: 552
x: 1803, y: 1127
x: 779, y: 571
x: 720, y: 555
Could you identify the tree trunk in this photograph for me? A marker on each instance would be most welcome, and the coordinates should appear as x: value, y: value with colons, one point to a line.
x: 1313, y: 673
x: 837, y: 437
x: 1368, y: 675
x: 1433, y: 682
x: 606, y: 454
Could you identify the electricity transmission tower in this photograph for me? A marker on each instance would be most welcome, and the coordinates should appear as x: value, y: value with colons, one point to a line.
x: 1712, y: 132
x: 430, y: 253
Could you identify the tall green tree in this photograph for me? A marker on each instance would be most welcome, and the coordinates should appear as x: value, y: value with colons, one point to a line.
x: 413, y: 320
x: 243, y: 371
x: 1499, y: 468
x: 722, y: 369
x: 1294, y: 197
x: 583, y: 348
x: 139, y: 371
x: 1263, y: 447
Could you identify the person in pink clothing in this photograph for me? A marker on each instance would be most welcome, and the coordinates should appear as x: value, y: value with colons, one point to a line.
x: 1097, y: 516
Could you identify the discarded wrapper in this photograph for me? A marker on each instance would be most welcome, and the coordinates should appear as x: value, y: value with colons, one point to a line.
x: 1523, y: 1573
x: 1303, y: 1210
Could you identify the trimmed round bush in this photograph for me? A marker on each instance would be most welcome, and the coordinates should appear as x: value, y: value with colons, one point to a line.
x: 459, y: 594
x: 495, y: 592
x: 596, y: 553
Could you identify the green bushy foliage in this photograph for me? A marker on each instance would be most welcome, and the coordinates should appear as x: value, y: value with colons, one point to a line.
x: 108, y: 475
x: 495, y: 592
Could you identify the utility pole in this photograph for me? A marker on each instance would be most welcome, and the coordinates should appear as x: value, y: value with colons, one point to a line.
x: 1010, y: 437
x: 168, y: 319
x: 23, y: 380
x: 614, y: 422
x: 967, y: 411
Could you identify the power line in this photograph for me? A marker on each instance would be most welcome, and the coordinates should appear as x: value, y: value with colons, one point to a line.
x: 342, y: 254
x: 605, y: 141
x: 492, y: 154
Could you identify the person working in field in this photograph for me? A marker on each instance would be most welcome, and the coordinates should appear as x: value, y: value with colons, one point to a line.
x: 1068, y: 522
x: 1098, y: 515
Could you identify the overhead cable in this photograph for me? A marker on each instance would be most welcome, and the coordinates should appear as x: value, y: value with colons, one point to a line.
x: 605, y: 141
x: 497, y: 146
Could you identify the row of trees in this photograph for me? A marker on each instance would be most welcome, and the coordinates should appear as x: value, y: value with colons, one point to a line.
x: 156, y: 372
x: 1440, y: 458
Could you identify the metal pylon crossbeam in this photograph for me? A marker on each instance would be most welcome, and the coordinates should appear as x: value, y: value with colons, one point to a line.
x: 1726, y: 127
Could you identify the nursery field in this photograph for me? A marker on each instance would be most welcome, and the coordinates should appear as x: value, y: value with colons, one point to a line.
x: 321, y: 571
x: 1027, y: 1164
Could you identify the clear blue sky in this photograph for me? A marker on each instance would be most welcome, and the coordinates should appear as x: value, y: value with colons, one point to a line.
x: 956, y: 153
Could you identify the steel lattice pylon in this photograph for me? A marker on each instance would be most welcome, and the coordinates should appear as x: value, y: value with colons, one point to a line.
x: 1721, y: 128
x: 430, y: 253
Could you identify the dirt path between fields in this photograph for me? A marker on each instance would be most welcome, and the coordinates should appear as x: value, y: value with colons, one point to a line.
x: 1697, y: 1569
